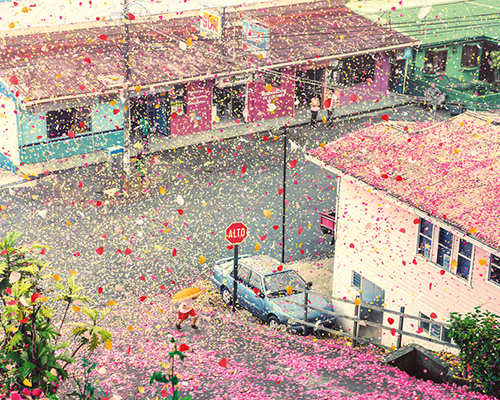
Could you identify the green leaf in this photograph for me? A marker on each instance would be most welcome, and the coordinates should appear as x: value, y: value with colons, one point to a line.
x: 15, y: 341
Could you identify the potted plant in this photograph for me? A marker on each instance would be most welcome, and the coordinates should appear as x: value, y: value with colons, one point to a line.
x: 495, y: 64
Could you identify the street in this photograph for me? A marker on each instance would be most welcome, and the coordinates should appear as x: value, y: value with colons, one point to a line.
x: 131, y: 247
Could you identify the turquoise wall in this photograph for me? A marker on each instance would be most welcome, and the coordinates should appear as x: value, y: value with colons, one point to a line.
x: 453, y: 69
x: 33, y: 130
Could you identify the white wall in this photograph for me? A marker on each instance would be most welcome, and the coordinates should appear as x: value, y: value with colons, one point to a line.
x: 8, y: 129
x: 378, y: 239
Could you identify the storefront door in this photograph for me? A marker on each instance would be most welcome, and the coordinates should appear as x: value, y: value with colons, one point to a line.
x: 307, y: 85
x: 229, y: 102
x: 397, y: 76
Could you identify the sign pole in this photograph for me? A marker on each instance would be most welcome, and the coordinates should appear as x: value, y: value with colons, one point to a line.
x: 283, y: 233
x: 235, y: 274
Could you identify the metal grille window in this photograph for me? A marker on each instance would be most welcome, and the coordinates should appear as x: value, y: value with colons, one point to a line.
x: 425, y: 239
x: 273, y: 77
x: 432, y: 329
x: 495, y: 269
x: 445, y: 242
x: 435, y: 61
x: 60, y: 122
x: 470, y: 55
x: 464, y: 258
x: 356, y: 280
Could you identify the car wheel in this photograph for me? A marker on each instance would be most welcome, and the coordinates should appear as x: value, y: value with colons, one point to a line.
x: 273, y: 321
x: 227, y: 297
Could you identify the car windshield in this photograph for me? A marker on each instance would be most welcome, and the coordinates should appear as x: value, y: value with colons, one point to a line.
x: 276, y: 283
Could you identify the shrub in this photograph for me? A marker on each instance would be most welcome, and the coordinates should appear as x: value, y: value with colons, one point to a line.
x: 31, y: 356
x: 478, y: 337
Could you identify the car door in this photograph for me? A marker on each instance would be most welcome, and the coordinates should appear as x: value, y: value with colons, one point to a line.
x: 243, y: 291
x: 256, y: 303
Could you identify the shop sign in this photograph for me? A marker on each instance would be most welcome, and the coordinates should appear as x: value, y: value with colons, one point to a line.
x: 210, y: 24
x: 403, y: 54
x: 241, y: 79
x: 255, y: 37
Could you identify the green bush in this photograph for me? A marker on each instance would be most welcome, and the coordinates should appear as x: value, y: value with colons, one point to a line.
x: 478, y: 337
x: 34, y: 306
x: 495, y: 59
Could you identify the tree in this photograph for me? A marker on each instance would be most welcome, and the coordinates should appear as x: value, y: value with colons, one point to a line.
x: 30, y: 353
x: 478, y: 337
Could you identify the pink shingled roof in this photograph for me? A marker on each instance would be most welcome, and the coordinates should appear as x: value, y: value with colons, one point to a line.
x: 449, y: 170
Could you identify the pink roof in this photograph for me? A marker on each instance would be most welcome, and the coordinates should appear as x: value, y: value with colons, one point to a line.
x: 88, y: 61
x: 450, y: 170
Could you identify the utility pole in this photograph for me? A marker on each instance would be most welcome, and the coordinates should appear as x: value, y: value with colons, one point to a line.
x: 126, y: 98
x: 283, y: 228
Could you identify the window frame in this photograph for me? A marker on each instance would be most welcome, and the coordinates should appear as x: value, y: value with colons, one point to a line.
x: 455, y: 248
x: 497, y: 265
x: 353, y: 278
x: 420, y: 233
x: 442, y: 335
x: 57, y: 135
x: 434, y: 53
x: 273, y: 77
x: 475, y: 56
x: 261, y: 281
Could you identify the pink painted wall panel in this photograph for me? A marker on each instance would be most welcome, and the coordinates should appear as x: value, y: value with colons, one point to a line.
x: 264, y: 104
x: 198, y: 117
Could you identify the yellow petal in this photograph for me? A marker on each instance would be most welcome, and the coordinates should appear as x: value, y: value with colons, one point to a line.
x: 76, y: 309
x: 260, y: 56
x: 267, y: 213
x: 58, y: 76
x: 108, y: 344
x: 26, y: 382
x: 456, y: 151
x: 322, y: 145
x: 202, y: 259
x: 56, y: 278
x: 323, y: 119
x: 189, y: 42
x: 257, y: 247
x: 72, y: 272
x: 113, y: 102
x: 300, y: 245
x: 162, y: 191
x: 461, y: 123
x: 482, y: 262
x: 138, y: 88
x: 24, y: 10
x: 454, y: 263
x: 140, y: 389
x: 269, y: 87
x: 130, y: 328
x: 157, y: 247
x: 216, y: 118
x: 357, y: 302
x: 472, y: 230
x: 289, y: 289
x: 111, y: 303
x: 12, y: 25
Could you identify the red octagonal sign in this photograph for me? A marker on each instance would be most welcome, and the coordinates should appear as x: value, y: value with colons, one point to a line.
x: 236, y: 232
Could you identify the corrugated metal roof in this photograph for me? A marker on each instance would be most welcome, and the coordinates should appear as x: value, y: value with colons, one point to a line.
x: 56, y: 64
x: 448, y: 170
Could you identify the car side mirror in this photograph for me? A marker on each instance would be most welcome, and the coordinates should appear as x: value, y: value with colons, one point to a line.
x: 309, y: 285
x: 262, y: 295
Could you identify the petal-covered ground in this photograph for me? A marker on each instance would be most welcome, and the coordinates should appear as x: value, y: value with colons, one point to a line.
x: 261, y: 363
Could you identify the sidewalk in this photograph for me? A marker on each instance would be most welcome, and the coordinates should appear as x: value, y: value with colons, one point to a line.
x: 220, y: 132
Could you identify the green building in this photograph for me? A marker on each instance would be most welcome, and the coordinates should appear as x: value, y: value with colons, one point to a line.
x: 455, y: 51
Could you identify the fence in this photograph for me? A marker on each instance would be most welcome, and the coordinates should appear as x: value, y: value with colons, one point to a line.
x: 397, y: 332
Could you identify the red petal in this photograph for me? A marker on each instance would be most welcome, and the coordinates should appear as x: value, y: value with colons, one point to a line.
x: 131, y: 17
x: 293, y: 163
x: 142, y: 298
x: 100, y: 250
x: 263, y: 237
x: 128, y: 251
x: 390, y: 320
x: 24, y: 320
x: 300, y: 230
x: 87, y: 60
x: 174, y: 252
x: 142, y: 278
x: 243, y: 169
x: 100, y: 290
x: 13, y: 80
x: 433, y: 315
x: 223, y: 363
x: 416, y: 221
x: 103, y: 37
x: 116, y: 111
x: 82, y: 87
x: 275, y: 227
x: 183, y: 347
x: 180, y: 212
x: 385, y: 117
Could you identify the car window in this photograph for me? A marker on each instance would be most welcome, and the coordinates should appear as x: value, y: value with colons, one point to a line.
x: 255, y: 281
x: 243, y: 274
x: 276, y: 283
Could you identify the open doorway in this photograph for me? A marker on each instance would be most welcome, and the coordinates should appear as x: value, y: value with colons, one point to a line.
x: 307, y: 85
x: 229, y: 102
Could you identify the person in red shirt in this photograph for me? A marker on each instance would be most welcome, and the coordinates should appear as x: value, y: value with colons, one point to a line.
x: 185, y: 311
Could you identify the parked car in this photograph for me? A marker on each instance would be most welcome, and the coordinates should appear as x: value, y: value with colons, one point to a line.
x: 262, y: 283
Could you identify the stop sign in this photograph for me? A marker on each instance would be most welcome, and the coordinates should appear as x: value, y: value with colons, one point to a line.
x: 236, y: 232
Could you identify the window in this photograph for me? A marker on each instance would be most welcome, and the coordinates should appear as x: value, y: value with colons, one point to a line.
x: 273, y: 77
x: 495, y: 269
x: 255, y: 281
x: 470, y: 55
x: 425, y: 239
x: 356, y: 280
x: 357, y: 70
x: 436, y: 331
x: 445, y: 243
x: 243, y: 274
x: 435, y: 61
x: 60, y: 122
x: 450, y: 253
x: 464, y: 258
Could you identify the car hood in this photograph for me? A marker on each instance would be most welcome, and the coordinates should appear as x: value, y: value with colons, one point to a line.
x: 296, y: 311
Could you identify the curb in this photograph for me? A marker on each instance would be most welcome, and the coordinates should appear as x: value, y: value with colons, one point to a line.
x: 345, y: 117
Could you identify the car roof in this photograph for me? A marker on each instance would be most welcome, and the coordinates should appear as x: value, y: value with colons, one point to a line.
x: 264, y: 265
